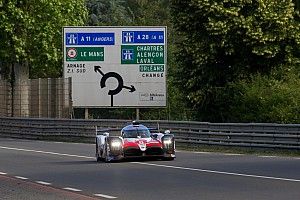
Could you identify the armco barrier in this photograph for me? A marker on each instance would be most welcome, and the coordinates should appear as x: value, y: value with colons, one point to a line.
x: 226, y: 134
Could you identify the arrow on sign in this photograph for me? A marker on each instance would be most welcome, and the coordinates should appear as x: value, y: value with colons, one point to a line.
x: 116, y: 76
x: 131, y: 88
x: 97, y: 69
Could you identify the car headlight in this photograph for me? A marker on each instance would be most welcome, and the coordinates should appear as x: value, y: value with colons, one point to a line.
x: 116, y: 144
x: 168, y: 141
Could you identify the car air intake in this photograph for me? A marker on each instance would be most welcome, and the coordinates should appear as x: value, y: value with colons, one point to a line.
x: 168, y: 143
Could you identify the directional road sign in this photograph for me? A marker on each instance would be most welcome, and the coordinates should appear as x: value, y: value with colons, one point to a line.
x: 116, y: 66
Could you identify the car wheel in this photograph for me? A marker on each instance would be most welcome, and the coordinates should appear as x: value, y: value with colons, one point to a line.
x: 98, y: 158
x: 106, y: 159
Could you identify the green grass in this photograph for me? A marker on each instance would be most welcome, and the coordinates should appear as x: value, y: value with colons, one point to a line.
x: 238, y: 150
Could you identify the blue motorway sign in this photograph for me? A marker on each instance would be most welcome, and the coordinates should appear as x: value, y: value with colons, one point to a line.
x: 127, y: 54
x: 90, y: 38
x: 140, y: 37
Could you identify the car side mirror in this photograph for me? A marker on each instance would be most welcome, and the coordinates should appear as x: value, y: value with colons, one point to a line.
x: 106, y: 134
x: 154, y: 136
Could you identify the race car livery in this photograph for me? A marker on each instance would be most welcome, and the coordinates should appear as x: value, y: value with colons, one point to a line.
x: 135, y: 141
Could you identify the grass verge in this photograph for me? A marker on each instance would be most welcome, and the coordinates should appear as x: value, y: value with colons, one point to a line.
x: 238, y: 150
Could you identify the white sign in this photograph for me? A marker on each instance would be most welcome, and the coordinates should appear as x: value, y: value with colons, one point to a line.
x: 116, y: 66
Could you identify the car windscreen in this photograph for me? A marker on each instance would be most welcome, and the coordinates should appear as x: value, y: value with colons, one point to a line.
x: 142, y: 133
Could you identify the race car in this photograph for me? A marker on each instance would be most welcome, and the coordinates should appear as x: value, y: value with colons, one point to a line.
x: 135, y: 141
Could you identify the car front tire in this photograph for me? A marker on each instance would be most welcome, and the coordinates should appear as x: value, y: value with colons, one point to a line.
x: 106, y: 154
x: 98, y: 158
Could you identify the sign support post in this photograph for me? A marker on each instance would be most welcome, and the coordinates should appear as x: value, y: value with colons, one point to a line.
x: 86, y: 113
x: 137, y: 114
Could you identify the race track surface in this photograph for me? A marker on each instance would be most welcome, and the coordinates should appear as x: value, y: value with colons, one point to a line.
x: 72, y: 167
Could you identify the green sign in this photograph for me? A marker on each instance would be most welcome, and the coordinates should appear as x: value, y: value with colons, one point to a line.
x: 152, y: 68
x: 142, y: 54
x: 85, y: 54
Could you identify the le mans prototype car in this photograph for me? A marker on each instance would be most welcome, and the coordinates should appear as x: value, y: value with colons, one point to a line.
x: 135, y: 141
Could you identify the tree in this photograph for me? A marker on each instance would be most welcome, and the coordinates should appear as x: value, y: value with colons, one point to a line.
x: 262, y: 98
x: 150, y: 12
x: 109, y: 13
x: 225, y: 41
x: 31, y: 32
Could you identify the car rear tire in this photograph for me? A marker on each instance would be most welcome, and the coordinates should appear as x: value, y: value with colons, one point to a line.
x: 98, y: 158
x: 106, y: 154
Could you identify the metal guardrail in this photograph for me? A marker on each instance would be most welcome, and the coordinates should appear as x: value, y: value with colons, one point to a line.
x: 226, y: 134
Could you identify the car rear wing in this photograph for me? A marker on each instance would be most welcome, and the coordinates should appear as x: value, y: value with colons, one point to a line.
x: 101, y: 131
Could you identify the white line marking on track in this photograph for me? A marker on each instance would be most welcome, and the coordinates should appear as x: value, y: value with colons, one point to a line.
x: 105, y: 196
x: 21, y: 177
x: 72, y: 189
x: 46, y: 152
x: 43, y: 183
x: 200, y: 152
x: 267, y: 156
x: 219, y: 172
x: 3, y: 173
x: 166, y: 166
x: 233, y: 154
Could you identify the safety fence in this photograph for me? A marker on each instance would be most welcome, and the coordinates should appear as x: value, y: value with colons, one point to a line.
x: 202, y: 133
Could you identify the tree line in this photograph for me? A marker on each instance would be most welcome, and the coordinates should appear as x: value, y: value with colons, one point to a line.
x: 228, y: 61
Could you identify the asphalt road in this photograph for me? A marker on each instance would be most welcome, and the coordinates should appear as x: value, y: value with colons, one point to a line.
x: 71, y: 167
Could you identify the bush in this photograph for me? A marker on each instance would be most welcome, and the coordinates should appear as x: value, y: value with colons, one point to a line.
x: 273, y: 98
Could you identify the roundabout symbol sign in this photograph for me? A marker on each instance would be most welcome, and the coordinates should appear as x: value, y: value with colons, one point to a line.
x: 117, y: 76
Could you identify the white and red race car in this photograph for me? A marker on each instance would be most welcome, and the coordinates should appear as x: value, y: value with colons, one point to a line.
x: 135, y: 141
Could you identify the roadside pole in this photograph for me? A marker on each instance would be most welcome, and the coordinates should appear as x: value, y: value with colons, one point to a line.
x: 137, y: 114
x: 86, y: 113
